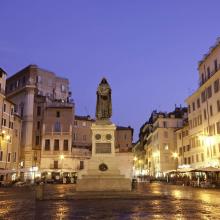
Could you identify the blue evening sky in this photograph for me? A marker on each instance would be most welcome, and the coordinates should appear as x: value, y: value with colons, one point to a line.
x: 147, y: 49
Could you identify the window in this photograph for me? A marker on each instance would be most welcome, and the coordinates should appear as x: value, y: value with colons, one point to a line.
x: 203, y: 79
x: 209, y: 92
x: 189, y: 160
x: 3, y: 122
x: 125, y: 136
x: 22, y: 111
x: 56, y: 144
x: 15, y: 157
x: 38, y: 110
x: 180, y: 136
x: 164, y: 124
x: 9, y: 157
x: 81, y: 165
x: 193, y: 106
x: 57, y: 127
x: 4, y: 107
x: 38, y: 125
x: 211, y: 111
x: 12, y: 110
x: 208, y: 72
x: 216, y: 65
x: 216, y: 86
x: 197, y: 158
x: 203, y: 96
x: 218, y: 105
x: 1, y: 155
x: 188, y: 147
x: 37, y: 140
x: 65, y: 145
x: 57, y: 114
x: 11, y: 125
x: 198, y: 103
x: 47, y: 144
x: 205, y: 116
x: 55, y: 164
x: 75, y: 123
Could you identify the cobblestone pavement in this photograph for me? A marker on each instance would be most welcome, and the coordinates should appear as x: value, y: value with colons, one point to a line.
x: 163, y: 202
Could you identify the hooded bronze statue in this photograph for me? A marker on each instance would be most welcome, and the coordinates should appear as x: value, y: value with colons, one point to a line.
x: 104, y: 101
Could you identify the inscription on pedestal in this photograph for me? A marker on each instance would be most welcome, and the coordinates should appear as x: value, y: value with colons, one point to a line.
x: 103, y: 148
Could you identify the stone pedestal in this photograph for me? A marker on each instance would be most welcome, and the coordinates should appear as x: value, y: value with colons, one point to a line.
x: 102, y: 173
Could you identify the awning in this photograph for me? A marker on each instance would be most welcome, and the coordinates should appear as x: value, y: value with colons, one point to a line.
x: 185, y: 170
x: 208, y: 169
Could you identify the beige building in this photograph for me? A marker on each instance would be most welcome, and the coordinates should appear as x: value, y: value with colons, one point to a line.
x: 123, y: 139
x: 160, y: 141
x: 32, y: 89
x: 9, y: 135
x: 204, y: 112
x: 82, y: 134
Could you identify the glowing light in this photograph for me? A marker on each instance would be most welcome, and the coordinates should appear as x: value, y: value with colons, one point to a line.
x: 7, y: 137
x: 156, y: 154
x: 62, y: 157
x: 208, y: 140
x: 175, y: 155
x: 135, y: 158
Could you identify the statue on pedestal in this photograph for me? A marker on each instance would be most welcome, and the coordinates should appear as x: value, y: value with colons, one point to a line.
x: 104, y: 101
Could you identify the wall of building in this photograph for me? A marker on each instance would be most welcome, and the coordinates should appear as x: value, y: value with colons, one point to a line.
x: 204, y: 114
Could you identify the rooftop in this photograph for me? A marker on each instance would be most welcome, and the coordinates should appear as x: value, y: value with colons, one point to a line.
x: 217, y: 43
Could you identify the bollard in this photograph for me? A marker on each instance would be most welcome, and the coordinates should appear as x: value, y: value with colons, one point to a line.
x: 39, y: 192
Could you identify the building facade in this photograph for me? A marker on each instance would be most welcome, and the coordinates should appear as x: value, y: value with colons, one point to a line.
x: 82, y: 134
x: 31, y: 89
x: 160, y: 147
x: 204, y: 112
x: 10, y: 133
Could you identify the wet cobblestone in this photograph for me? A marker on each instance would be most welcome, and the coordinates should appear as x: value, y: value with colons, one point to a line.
x: 173, y: 202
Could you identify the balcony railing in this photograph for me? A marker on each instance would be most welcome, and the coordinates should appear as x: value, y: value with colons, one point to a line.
x: 201, y: 82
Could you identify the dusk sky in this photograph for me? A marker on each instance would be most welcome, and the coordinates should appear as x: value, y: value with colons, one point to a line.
x: 148, y: 50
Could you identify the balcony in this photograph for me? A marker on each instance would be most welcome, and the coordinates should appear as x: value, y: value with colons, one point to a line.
x: 201, y: 82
